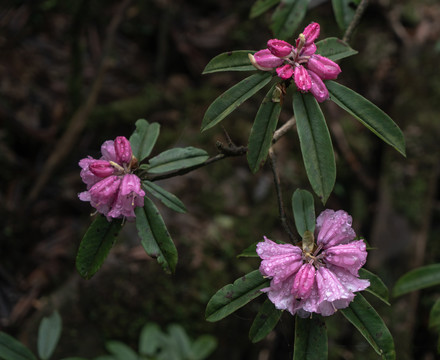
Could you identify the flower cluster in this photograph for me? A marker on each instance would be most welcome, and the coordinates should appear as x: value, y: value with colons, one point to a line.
x: 112, y: 188
x: 320, y: 278
x: 307, y: 69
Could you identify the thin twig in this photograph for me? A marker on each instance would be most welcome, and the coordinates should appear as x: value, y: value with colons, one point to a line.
x: 357, y: 16
x: 277, y: 182
x: 283, y: 129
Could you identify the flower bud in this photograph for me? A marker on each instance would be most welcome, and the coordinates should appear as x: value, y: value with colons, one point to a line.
x: 285, y: 72
x: 279, y: 48
x: 303, y: 282
x: 311, y: 33
x: 265, y: 60
x: 101, y: 168
x: 318, y: 88
x: 302, y: 79
x: 308, y: 50
x: 325, y: 68
x: 123, y: 150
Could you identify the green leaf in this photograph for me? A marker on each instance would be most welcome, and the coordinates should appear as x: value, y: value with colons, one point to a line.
x: 260, y: 138
x: 310, y: 339
x: 234, y: 296
x: 250, y: 251
x: 377, y: 286
x: 265, y: 321
x: 231, y: 61
x: 287, y: 17
x: 303, y: 207
x: 120, y: 350
x: 362, y: 315
x: 96, y: 244
x: 261, y: 6
x: 233, y: 98
x: 368, y: 114
x: 334, y: 49
x: 12, y: 349
x: 203, y: 347
x: 154, y: 235
x: 417, y: 279
x: 150, y: 339
x: 344, y: 12
x: 168, y: 199
x: 181, y: 340
x: 176, y: 159
x: 74, y: 358
x: 434, y: 315
x: 49, y: 333
x: 316, y: 145
x: 144, y: 138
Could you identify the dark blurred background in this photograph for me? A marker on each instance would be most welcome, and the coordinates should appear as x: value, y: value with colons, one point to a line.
x: 76, y: 73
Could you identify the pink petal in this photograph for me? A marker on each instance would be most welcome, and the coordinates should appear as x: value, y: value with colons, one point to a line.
x: 285, y: 72
x: 266, y: 60
x: 108, y: 151
x: 104, y: 193
x: 351, y: 256
x: 87, y: 176
x: 318, y: 88
x: 123, y: 150
x: 311, y: 33
x: 349, y: 281
x: 333, y: 228
x: 304, y: 281
x: 280, y: 295
x: 325, y: 68
x: 101, y: 168
x: 308, y: 50
x: 302, y: 79
x: 279, y: 48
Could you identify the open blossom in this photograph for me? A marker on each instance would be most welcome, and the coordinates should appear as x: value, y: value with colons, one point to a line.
x: 112, y: 188
x: 299, y: 62
x: 319, y: 280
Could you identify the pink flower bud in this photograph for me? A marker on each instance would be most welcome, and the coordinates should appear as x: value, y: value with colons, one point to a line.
x: 308, y: 50
x: 285, y: 72
x: 302, y: 79
x: 265, y: 60
x: 318, y: 88
x: 350, y: 256
x: 101, y: 168
x: 325, y: 68
x: 311, y: 33
x: 279, y: 48
x: 303, y: 282
x: 123, y: 150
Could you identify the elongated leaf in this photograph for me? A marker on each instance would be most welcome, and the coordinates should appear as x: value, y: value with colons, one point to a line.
x: 154, y: 235
x: 310, y: 339
x: 362, y: 315
x: 181, y: 340
x: 230, y: 61
x: 144, y: 138
x: 233, y: 98
x: 176, y: 159
x: 168, y: 199
x: 261, y: 6
x: 260, y: 139
x: 265, y: 321
x: 12, y: 349
x: 368, y: 114
x: 303, y: 211
x: 96, y: 244
x: 234, y: 296
x: 120, y: 351
x: 344, y: 12
x: 377, y: 286
x: 287, y: 16
x: 417, y: 279
x: 149, y: 340
x: 49, y: 333
x: 334, y: 49
x: 434, y: 315
x: 203, y: 346
x: 250, y: 251
x: 316, y: 145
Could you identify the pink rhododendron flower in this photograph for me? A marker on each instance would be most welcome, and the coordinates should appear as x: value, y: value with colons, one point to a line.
x: 112, y: 188
x: 322, y: 280
x: 299, y: 62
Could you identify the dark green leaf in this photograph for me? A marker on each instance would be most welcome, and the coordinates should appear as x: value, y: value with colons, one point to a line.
x: 316, y: 145
x: 12, y: 349
x: 303, y: 211
x: 233, y: 98
x: 377, y: 287
x: 234, y: 296
x: 362, y: 315
x: 96, y: 245
x: 260, y: 139
x: 144, y: 138
x: 266, y: 319
x: 417, y: 279
x: 49, y: 333
x: 310, y: 339
x: 261, y: 6
x: 230, y: 61
x: 287, y: 16
x: 168, y: 199
x: 176, y: 159
x: 203, y: 347
x: 150, y: 339
x: 154, y: 236
x: 334, y: 49
x: 434, y: 315
x: 181, y: 340
x: 344, y: 12
x: 121, y: 351
x: 368, y: 114
x: 250, y: 251
x: 74, y: 358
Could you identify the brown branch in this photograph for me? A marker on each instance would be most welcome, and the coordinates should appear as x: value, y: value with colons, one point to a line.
x: 78, y: 121
x: 283, y: 129
x: 354, y: 22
